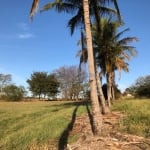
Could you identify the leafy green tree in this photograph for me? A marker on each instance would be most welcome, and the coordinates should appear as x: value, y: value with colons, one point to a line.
x: 37, y: 83
x: 43, y: 84
x: 52, y: 86
x: 14, y: 93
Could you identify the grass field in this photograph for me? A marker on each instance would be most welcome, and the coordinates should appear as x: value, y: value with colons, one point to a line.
x: 137, y: 120
x: 29, y: 124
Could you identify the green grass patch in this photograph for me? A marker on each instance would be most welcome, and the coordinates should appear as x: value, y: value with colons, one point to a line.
x: 137, y: 120
x: 24, y: 124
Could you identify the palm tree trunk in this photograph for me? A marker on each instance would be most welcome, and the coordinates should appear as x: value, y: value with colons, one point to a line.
x: 97, y: 116
x: 105, y: 109
x: 113, y: 86
x: 109, y: 95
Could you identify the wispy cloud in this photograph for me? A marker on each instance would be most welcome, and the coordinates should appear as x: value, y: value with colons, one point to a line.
x: 25, y: 31
x: 26, y: 36
x: 23, y: 26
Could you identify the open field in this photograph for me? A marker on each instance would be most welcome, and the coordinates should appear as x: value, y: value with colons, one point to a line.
x: 137, y: 120
x: 25, y: 124
x: 30, y: 125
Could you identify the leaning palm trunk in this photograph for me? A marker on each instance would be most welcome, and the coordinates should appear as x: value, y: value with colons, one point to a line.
x: 113, y: 86
x: 97, y: 116
x: 109, y: 85
x: 105, y: 109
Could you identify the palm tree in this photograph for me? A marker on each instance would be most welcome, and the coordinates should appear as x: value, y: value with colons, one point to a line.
x: 83, y: 59
x: 112, y: 52
x: 97, y: 119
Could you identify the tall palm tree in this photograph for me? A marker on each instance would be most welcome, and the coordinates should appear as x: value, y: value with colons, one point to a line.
x: 83, y: 59
x: 97, y: 119
x: 113, y: 52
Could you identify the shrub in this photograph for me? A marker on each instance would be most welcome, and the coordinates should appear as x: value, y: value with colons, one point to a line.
x: 13, y: 93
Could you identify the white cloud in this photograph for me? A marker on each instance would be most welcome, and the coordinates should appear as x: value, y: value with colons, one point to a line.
x: 25, y: 36
x: 20, y: 36
x: 25, y: 31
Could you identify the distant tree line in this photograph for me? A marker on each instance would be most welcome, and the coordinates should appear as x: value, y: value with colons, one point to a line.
x: 8, y: 90
x: 141, y: 87
x: 67, y: 83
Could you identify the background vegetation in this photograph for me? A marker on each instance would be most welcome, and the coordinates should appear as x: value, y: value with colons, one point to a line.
x: 141, y: 87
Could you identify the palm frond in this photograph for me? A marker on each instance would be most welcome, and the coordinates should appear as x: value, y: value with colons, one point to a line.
x: 48, y: 6
x: 118, y: 11
x: 125, y: 56
x: 59, y: 6
x: 130, y: 49
x: 127, y: 40
x: 34, y: 8
x: 75, y: 21
x: 83, y: 56
x: 121, y: 65
x: 103, y: 2
x: 118, y: 35
x: 106, y: 11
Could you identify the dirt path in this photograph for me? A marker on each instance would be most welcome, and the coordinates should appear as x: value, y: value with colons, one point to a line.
x: 110, y: 139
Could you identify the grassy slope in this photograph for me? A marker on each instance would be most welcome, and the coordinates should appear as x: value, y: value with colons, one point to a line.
x: 137, y: 120
x: 23, y: 124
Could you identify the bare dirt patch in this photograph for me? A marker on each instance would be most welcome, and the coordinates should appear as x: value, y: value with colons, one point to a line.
x: 110, y: 139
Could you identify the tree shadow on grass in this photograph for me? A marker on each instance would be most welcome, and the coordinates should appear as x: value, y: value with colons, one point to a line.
x: 90, y: 117
x: 65, y: 134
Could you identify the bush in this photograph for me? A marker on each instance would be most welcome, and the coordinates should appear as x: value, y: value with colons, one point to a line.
x: 13, y: 93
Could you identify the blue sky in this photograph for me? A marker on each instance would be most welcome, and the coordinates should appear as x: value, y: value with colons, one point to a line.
x: 45, y: 44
